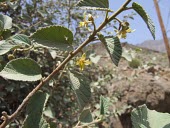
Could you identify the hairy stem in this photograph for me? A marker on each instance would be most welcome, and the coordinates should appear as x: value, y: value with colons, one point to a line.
x: 10, y: 118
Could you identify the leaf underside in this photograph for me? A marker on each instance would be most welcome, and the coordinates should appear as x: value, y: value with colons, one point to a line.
x: 6, y: 21
x: 139, y: 9
x: 35, y: 110
x: 6, y: 47
x: 81, y: 87
x: 102, y: 5
x: 104, y: 104
x: 113, y: 47
x: 21, y: 39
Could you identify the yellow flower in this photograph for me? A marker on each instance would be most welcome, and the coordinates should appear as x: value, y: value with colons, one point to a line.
x: 86, y: 21
x: 123, y: 33
x: 83, y: 24
x: 82, y: 61
x: 124, y: 30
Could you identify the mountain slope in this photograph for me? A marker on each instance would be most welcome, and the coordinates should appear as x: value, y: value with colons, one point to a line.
x: 156, y: 45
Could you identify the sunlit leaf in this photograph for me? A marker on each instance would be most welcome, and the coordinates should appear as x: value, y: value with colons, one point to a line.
x: 142, y: 117
x: 6, y: 20
x: 129, y: 55
x: 13, y: 5
x: 21, y: 39
x: 139, y: 9
x: 54, y: 36
x: 95, y: 59
x: 49, y: 112
x: 6, y: 47
x: 22, y: 69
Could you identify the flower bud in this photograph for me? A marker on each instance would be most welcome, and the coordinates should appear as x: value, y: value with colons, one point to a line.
x: 11, y: 57
x: 90, y: 17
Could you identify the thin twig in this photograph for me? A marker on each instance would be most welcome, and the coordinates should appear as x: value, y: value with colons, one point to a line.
x: 128, y: 8
x: 88, y: 124
x: 8, y: 119
x: 22, y: 31
x: 118, y: 20
x: 77, y: 124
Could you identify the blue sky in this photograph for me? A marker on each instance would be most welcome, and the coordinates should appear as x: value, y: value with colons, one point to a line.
x: 142, y: 33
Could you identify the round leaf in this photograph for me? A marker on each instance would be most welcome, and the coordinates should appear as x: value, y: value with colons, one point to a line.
x: 54, y: 36
x: 22, y: 69
x: 142, y: 117
x: 6, y: 20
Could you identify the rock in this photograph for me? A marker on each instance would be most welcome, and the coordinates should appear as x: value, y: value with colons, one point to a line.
x: 144, y: 89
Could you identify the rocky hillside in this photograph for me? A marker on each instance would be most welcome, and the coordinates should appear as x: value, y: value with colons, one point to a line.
x: 146, y: 56
x: 148, y: 84
x: 157, y: 45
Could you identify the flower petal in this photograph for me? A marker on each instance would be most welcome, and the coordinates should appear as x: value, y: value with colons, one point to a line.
x: 87, y: 62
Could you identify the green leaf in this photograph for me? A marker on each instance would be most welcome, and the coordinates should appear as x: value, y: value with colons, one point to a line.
x: 52, y: 124
x: 94, y: 3
x: 95, y: 59
x: 22, y: 69
x: 129, y: 55
x: 6, y: 34
x: 81, y: 87
x: 6, y: 47
x: 104, y: 104
x: 142, y: 117
x: 139, y: 9
x: 3, y: 0
x: 86, y: 116
x: 34, y: 110
x: 13, y: 43
x: 6, y: 20
x: 21, y: 39
x: 1, y: 25
x: 100, y: 5
x: 54, y: 36
x: 13, y: 5
x: 113, y: 47
x: 49, y: 112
